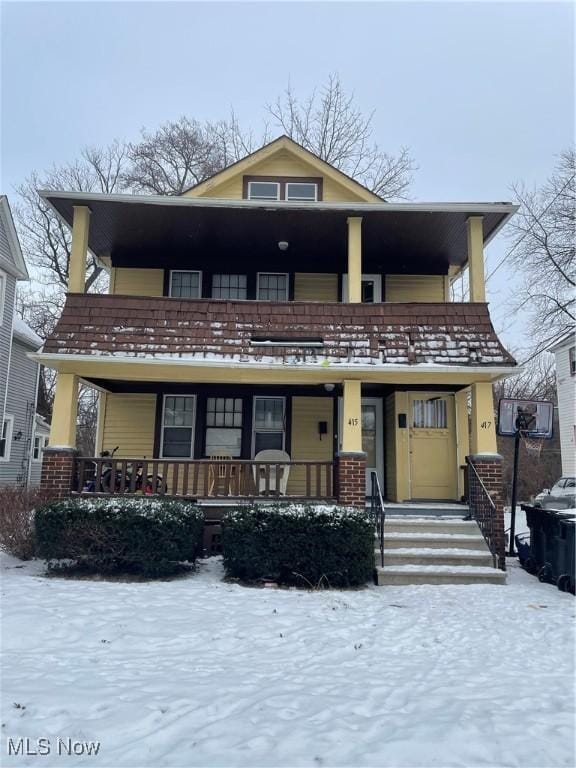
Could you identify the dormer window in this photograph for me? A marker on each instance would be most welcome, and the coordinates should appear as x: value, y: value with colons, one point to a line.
x: 290, y: 188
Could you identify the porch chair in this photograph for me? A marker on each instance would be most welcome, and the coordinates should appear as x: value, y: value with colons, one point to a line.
x: 218, y: 470
x: 281, y: 457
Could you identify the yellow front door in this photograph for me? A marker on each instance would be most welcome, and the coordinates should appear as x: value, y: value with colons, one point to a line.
x: 433, y: 471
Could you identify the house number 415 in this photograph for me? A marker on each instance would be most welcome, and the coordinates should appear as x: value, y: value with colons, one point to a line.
x: 353, y: 422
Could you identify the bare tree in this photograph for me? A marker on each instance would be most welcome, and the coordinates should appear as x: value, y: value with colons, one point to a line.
x: 333, y: 127
x: 45, y: 239
x: 543, y: 249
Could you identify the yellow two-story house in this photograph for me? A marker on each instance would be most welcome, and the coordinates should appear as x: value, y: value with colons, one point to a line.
x: 277, y: 330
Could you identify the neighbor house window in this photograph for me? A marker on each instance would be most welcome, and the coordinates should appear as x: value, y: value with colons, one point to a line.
x: 2, y: 295
x: 269, y: 424
x: 430, y: 414
x: 178, y: 417
x: 224, y: 426
x: 272, y: 286
x: 229, y: 286
x: 572, y: 360
x: 305, y: 192
x: 293, y: 189
x: 185, y: 284
x: 6, y: 438
x: 40, y: 442
x: 263, y: 190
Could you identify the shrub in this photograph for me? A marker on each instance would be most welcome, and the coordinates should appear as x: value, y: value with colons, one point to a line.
x: 149, y: 537
x: 299, y: 545
x: 17, y: 507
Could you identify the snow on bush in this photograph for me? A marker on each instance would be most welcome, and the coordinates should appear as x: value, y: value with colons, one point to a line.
x: 150, y: 537
x: 302, y: 545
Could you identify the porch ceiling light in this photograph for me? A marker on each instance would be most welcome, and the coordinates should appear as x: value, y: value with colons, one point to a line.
x: 283, y: 245
x: 329, y: 387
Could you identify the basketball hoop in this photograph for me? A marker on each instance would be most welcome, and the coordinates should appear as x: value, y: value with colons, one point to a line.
x: 533, y: 445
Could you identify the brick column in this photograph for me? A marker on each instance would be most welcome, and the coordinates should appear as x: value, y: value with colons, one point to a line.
x: 58, y: 471
x: 351, y: 479
x: 489, y: 469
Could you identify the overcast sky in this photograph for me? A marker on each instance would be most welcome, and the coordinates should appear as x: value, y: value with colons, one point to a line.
x: 482, y: 93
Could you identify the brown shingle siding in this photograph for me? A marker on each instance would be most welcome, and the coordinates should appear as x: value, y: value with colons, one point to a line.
x: 101, y: 324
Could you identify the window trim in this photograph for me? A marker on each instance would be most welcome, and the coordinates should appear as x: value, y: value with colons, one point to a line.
x: 186, y: 271
x: 301, y: 199
x: 254, y: 429
x: 282, y: 181
x: 3, y: 286
x: 42, y: 445
x: 278, y: 274
x: 9, y: 433
x: 193, y: 428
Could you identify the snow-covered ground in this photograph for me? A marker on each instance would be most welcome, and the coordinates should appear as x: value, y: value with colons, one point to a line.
x: 197, y: 672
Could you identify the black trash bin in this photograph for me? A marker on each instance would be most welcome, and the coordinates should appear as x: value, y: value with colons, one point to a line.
x: 551, y: 544
x: 565, y: 575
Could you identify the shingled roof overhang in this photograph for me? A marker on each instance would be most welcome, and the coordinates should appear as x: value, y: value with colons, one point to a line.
x: 141, y: 230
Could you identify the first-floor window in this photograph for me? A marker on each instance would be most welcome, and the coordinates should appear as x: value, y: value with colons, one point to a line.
x: 272, y: 286
x: 40, y: 442
x: 224, y: 426
x: 430, y: 414
x: 6, y: 438
x: 269, y: 423
x: 229, y: 287
x: 178, y: 417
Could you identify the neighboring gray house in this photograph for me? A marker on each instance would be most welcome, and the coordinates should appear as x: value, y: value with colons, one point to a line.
x: 565, y: 352
x: 18, y: 374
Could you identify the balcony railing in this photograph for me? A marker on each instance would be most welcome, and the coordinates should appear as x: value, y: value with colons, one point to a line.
x: 207, y: 478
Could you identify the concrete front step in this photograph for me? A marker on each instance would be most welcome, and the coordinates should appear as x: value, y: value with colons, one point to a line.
x: 430, y: 509
x: 428, y: 540
x: 474, y: 557
x: 423, y: 525
x: 403, y: 575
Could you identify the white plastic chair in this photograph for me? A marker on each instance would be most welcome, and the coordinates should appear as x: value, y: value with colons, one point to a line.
x: 275, y: 484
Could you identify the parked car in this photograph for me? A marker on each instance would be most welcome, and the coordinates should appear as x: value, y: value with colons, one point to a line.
x: 562, y: 495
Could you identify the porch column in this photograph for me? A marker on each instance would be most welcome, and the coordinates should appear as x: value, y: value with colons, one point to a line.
x: 476, y: 258
x: 483, y: 432
x: 64, y: 412
x: 79, y: 250
x: 355, y: 259
x: 351, y: 474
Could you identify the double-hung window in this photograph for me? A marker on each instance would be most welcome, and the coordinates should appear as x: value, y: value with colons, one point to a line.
x: 572, y: 360
x: 6, y: 437
x: 178, y: 419
x: 2, y: 296
x: 269, y: 424
x: 40, y: 443
x: 272, y: 286
x: 186, y: 284
x: 229, y: 287
x: 224, y: 426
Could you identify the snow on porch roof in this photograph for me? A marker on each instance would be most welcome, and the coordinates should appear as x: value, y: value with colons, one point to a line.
x: 432, y: 234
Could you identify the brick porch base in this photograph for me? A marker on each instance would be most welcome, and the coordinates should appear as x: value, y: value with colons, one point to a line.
x: 351, y: 479
x: 58, y: 468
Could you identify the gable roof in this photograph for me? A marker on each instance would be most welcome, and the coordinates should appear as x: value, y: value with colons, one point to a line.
x: 18, y: 267
x: 286, y: 144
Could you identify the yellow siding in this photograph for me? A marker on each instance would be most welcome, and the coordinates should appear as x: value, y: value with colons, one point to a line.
x: 128, y: 422
x: 390, y: 443
x: 137, y: 282
x: 415, y: 288
x: 315, y: 286
x: 280, y: 164
x: 306, y: 442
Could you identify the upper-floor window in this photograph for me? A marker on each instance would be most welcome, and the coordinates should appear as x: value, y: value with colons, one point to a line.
x: 229, y: 287
x: 572, y: 360
x: 272, y: 286
x: 283, y: 188
x: 185, y: 284
x: 6, y: 437
x: 2, y: 295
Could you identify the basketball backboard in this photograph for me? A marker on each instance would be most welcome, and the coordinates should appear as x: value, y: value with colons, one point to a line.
x: 533, y: 418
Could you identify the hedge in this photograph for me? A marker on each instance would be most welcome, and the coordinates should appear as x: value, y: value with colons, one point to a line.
x: 150, y: 537
x: 302, y: 545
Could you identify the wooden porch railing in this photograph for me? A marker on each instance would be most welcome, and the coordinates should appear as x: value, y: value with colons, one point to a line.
x: 206, y: 478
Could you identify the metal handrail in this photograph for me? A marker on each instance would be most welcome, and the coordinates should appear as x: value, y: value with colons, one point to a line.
x: 377, y: 511
x: 487, y: 534
x: 486, y: 491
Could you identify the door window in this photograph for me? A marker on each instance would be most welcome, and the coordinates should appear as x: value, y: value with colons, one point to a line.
x: 269, y: 427
x: 429, y: 414
x: 369, y: 425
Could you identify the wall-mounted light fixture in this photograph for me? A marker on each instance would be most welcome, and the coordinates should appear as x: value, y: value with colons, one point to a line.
x: 18, y: 436
x: 283, y: 245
